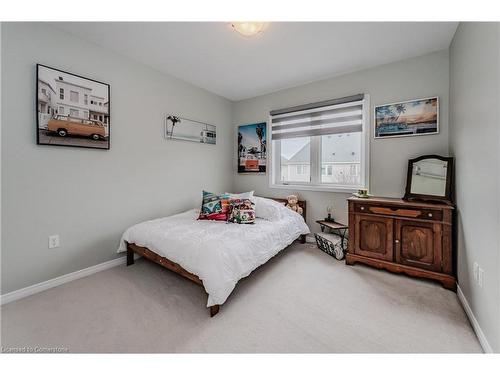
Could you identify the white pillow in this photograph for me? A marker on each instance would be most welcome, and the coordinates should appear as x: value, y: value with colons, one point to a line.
x: 247, y: 195
x: 269, y: 209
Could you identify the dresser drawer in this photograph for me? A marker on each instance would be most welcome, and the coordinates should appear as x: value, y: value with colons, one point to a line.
x: 407, y: 212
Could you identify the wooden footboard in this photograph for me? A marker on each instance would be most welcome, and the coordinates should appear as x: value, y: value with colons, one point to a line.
x: 168, y: 264
x: 145, y: 252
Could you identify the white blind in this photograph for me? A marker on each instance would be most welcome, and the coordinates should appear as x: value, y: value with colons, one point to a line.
x: 344, y: 115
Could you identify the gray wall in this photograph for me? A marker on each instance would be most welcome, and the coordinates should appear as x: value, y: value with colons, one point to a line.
x: 410, y: 79
x: 89, y: 196
x: 475, y: 143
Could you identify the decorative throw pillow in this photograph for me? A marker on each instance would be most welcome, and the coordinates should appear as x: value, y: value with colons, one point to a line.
x: 241, y: 211
x: 214, y: 207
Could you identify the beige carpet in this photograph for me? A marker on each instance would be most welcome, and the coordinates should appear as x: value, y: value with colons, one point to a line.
x: 300, y: 301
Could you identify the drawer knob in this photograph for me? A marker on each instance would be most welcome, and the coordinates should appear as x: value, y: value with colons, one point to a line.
x: 397, y: 241
x: 362, y: 208
x: 429, y: 214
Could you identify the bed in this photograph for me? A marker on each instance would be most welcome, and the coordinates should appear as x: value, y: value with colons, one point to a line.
x: 216, y: 254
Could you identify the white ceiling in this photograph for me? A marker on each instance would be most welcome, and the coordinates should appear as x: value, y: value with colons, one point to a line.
x: 213, y: 56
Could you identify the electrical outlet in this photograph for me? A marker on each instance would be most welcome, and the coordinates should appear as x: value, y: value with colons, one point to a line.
x: 475, y: 271
x: 53, y: 241
x: 480, y: 278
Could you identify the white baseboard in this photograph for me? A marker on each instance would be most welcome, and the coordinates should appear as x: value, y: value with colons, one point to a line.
x: 44, y: 285
x: 475, y: 324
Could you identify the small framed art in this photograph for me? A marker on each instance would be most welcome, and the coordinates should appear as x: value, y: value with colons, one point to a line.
x: 252, y: 154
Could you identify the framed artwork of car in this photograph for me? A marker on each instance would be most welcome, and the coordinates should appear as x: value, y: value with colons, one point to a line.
x: 71, y: 110
x: 252, y: 153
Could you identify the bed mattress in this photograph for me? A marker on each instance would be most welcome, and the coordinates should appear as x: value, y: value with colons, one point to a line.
x: 219, y: 253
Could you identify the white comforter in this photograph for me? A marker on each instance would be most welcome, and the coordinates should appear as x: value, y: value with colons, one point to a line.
x: 219, y: 253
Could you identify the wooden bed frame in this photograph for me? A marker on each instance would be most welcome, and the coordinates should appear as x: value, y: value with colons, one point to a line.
x: 172, y: 266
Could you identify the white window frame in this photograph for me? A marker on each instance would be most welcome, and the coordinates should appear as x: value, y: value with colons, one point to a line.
x: 315, y: 162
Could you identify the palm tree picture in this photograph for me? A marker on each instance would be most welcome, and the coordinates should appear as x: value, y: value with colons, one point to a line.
x: 252, y: 153
x: 414, y: 117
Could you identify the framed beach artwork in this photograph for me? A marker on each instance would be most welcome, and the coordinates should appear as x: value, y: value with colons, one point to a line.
x: 252, y: 154
x: 71, y: 110
x: 405, y: 119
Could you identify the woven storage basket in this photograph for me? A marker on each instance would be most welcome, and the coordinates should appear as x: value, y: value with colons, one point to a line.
x: 332, y: 244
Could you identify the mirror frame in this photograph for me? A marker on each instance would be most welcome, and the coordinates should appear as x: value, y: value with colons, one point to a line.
x: 447, y: 198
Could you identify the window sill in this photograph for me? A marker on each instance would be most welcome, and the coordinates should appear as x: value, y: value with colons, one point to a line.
x: 330, y: 189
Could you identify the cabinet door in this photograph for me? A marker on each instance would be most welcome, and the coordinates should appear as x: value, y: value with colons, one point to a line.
x: 374, y: 237
x: 418, y: 244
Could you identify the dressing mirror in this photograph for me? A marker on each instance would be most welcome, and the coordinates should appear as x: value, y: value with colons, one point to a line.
x: 429, y: 179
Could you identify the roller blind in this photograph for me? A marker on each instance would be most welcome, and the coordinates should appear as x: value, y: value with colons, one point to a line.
x: 343, y: 115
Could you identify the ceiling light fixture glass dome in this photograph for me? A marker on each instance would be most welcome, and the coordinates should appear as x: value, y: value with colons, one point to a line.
x: 249, y: 28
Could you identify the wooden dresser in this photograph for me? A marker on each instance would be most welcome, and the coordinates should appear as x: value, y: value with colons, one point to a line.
x: 406, y: 237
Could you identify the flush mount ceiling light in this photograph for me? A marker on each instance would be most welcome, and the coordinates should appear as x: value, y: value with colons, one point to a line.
x: 249, y: 28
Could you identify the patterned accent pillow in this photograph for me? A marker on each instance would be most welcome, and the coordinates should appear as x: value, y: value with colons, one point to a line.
x: 214, y: 207
x: 241, y: 211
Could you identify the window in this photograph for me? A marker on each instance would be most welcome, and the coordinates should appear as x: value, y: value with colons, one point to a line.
x: 74, y: 96
x: 294, y: 160
x: 61, y: 94
x: 340, y: 154
x: 85, y: 99
x: 61, y: 111
x: 321, y: 146
x: 74, y: 112
x: 85, y: 114
x: 326, y: 170
x: 44, y: 91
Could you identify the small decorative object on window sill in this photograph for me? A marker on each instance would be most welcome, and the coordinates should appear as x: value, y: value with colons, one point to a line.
x: 334, y: 243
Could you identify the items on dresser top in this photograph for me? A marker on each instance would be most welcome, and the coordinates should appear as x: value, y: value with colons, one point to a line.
x: 414, y: 238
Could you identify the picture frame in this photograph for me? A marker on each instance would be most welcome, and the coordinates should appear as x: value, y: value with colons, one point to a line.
x: 252, y: 148
x: 71, y: 110
x: 179, y: 128
x: 406, y: 118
